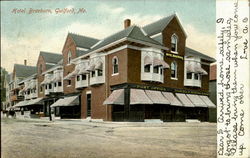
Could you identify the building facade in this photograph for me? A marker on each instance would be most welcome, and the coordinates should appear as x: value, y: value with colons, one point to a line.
x: 135, y: 74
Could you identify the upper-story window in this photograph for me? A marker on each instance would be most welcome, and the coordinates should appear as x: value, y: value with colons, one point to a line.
x: 41, y: 68
x: 196, y: 76
x: 189, y: 75
x: 174, y: 41
x: 147, y: 64
x: 174, y: 70
x: 69, y: 57
x: 115, y: 65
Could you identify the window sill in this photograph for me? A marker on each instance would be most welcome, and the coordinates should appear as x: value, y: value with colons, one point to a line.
x: 174, y: 78
x: 115, y: 74
x: 174, y: 52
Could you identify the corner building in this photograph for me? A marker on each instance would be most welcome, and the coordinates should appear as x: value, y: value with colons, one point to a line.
x: 135, y: 74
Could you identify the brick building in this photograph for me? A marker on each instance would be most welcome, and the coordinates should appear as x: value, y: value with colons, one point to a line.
x: 135, y: 74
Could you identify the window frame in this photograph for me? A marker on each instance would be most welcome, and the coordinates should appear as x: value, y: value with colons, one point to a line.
x: 69, y: 57
x: 175, y: 37
x: 175, y: 70
x: 115, y: 65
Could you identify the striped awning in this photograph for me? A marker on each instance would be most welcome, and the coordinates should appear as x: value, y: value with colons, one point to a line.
x: 138, y: 96
x: 195, y: 68
x: 73, y: 73
x: 99, y: 66
x: 57, y: 78
x: 158, y: 62
x: 47, y: 80
x: 184, y: 100
x: 173, y: 100
x: 157, y: 97
x: 147, y: 61
x: 116, y: 97
x: 91, y: 67
x: 83, y: 71
x: 196, y: 100
x: 206, y: 100
x: 67, y: 101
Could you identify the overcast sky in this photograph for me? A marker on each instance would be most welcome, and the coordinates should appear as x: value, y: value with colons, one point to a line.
x: 24, y: 35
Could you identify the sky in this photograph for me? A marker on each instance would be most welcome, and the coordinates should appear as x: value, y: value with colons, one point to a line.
x: 24, y: 35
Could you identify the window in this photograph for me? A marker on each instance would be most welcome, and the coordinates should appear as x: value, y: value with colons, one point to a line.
x: 99, y: 72
x: 59, y: 84
x: 69, y: 82
x: 161, y: 70
x: 173, y: 70
x: 189, y: 75
x: 174, y: 41
x: 92, y: 73
x: 46, y: 86
x: 147, y: 68
x: 55, y: 84
x: 84, y: 77
x: 50, y: 86
x: 69, y: 57
x: 78, y: 78
x: 115, y: 65
x: 196, y: 76
x: 41, y: 88
x: 41, y: 69
x: 156, y: 69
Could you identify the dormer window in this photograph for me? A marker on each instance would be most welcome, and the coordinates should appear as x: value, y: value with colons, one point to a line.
x: 69, y: 57
x: 174, y: 41
x: 174, y: 70
x: 115, y: 65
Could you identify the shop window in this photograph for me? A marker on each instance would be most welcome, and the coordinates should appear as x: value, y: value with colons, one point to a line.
x: 147, y: 68
x: 84, y: 77
x: 174, y: 41
x: 99, y: 72
x: 196, y: 76
x: 115, y: 65
x: 69, y: 57
x: 78, y: 78
x: 92, y: 73
x: 59, y: 84
x: 156, y: 69
x: 174, y: 70
x: 189, y: 75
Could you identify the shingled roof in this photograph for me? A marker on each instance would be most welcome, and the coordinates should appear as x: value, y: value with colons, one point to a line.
x: 83, y: 41
x: 24, y: 70
x: 132, y: 32
x: 192, y: 52
x: 49, y: 57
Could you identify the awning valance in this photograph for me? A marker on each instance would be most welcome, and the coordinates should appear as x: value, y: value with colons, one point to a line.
x: 184, y: 100
x: 195, y: 68
x: 21, y: 103
x: 173, y: 100
x: 196, y: 100
x: 138, y: 96
x: 67, y: 101
x: 158, y: 62
x: 116, y: 97
x: 147, y: 60
x: 157, y: 97
x: 206, y: 100
x: 99, y: 66
x: 37, y: 101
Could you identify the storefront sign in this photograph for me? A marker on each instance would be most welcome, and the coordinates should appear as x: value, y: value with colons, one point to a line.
x: 174, y: 56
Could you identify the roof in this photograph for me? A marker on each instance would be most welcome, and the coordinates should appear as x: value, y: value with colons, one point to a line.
x: 212, y: 74
x: 24, y: 70
x: 81, y: 52
x: 132, y: 32
x: 158, y: 26
x: 192, y: 52
x: 49, y: 57
x: 83, y: 41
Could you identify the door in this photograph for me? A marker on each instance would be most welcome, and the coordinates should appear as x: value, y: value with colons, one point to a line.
x: 88, y: 105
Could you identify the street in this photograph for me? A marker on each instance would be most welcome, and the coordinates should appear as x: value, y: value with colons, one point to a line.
x: 80, y: 139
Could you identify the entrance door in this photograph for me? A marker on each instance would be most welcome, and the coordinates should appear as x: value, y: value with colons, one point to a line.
x: 88, y: 105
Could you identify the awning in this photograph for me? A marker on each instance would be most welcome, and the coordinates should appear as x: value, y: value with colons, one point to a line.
x: 57, y: 78
x: 37, y: 101
x: 82, y: 71
x: 21, y: 103
x: 196, y: 100
x: 98, y: 66
x: 91, y: 67
x: 138, y: 96
x: 158, y: 62
x: 116, y: 97
x: 206, y: 100
x: 157, y: 97
x: 173, y: 100
x: 184, y: 100
x: 73, y: 73
x: 147, y: 61
x: 195, y: 68
x: 67, y: 101
x: 46, y: 80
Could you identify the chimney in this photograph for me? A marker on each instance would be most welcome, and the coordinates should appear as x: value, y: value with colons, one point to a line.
x: 127, y: 23
x: 25, y: 62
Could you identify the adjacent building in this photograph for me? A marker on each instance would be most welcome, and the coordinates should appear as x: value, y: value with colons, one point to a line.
x: 135, y: 74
